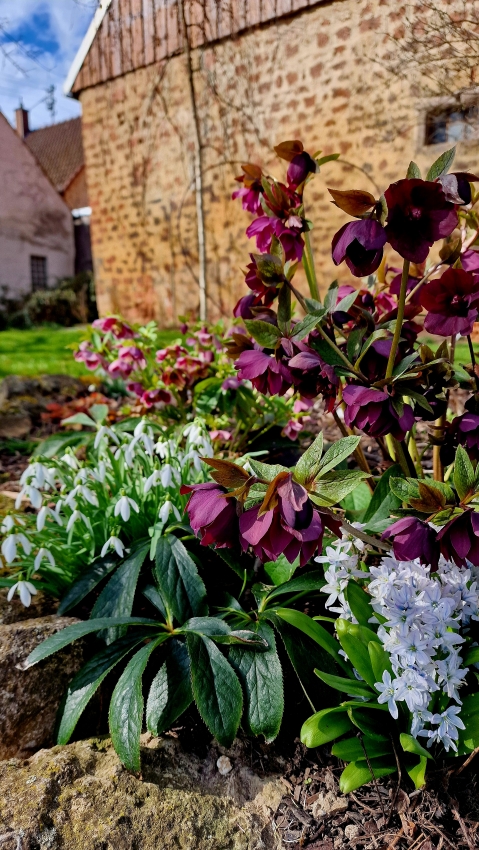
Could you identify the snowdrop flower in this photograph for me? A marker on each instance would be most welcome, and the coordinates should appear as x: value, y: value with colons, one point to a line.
x: 388, y: 694
x: 104, y: 431
x: 113, y: 543
x: 166, y: 509
x: 9, y: 546
x: 25, y: 590
x: 162, y: 449
x: 99, y: 474
x: 152, y: 481
x: 139, y: 428
x: 7, y: 524
x: 76, y: 515
x: 43, y: 553
x: 123, y: 506
x: 70, y: 460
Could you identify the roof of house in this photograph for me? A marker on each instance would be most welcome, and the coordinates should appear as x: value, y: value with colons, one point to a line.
x: 59, y: 150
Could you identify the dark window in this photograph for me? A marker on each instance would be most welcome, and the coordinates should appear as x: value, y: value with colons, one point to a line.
x: 38, y: 269
x: 452, y: 124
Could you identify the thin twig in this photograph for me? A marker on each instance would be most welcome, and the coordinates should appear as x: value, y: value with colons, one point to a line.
x: 372, y: 774
x: 396, y: 792
x: 396, y: 839
x: 463, y: 826
x: 466, y: 763
x: 366, y: 538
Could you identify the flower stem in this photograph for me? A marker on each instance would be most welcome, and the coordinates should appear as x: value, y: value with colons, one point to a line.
x: 408, y: 468
x: 473, y: 359
x: 309, y: 267
x: 399, y: 320
x: 423, y: 280
x: 437, y: 467
x: 358, y: 452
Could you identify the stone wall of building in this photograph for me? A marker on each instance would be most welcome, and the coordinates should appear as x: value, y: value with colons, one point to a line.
x: 318, y: 76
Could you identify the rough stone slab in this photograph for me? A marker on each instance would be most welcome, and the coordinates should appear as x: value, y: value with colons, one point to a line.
x: 29, y: 699
x: 80, y: 797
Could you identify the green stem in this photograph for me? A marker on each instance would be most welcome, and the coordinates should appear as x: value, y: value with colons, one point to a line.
x: 403, y: 459
x: 309, y: 267
x: 399, y: 320
x: 473, y: 359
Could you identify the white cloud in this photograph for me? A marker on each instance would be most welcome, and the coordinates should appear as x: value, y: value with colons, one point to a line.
x: 39, y: 40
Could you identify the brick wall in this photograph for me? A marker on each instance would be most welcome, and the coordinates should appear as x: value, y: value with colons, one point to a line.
x: 317, y: 76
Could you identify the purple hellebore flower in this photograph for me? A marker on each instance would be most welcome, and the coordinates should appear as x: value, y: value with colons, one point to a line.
x: 312, y: 376
x: 265, y: 227
x: 266, y: 373
x: 413, y: 539
x: 372, y: 411
x: 418, y: 215
x: 158, y: 398
x: 251, y: 190
x: 118, y: 328
x: 466, y: 428
x: 470, y: 260
x: 361, y: 244
x: 293, y: 527
x: 459, y: 539
x: 452, y: 302
x: 211, y: 515
x: 457, y: 186
x: 300, y: 166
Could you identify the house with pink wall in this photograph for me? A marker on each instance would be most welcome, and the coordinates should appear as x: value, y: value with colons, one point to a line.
x: 36, y: 227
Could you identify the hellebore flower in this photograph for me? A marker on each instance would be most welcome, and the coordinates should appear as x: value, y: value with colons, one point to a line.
x: 133, y: 355
x: 395, y: 287
x: 452, y: 302
x: 158, y: 398
x: 457, y: 186
x: 470, y: 260
x: 312, y: 376
x: 265, y: 227
x: 418, y: 215
x: 251, y: 191
x: 459, y: 539
x: 211, y: 515
x: 413, y: 539
x: 373, y: 412
x: 462, y: 431
x: 292, y: 527
x: 110, y: 324
x: 300, y: 166
x: 90, y: 358
x: 266, y: 373
x: 361, y: 244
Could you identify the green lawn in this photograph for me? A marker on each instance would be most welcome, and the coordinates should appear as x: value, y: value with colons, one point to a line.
x: 44, y: 350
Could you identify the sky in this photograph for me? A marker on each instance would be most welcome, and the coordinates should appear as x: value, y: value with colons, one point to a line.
x: 38, y: 42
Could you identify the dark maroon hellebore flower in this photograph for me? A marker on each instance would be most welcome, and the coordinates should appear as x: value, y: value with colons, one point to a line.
x: 418, y: 215
x: 211, y: 515
x: 470, y: 261
x: 372, y: 411
x: 251, y: 191
x: 361, y: 244
x: 300, y: 166
x: 462, y: 431
x: 452, y: 302
x: 413, y: 539
x: 457, y: 186
x: 312, y: 376
x: 459, y: 539
x: 292, y: 527
x: 266, y: 373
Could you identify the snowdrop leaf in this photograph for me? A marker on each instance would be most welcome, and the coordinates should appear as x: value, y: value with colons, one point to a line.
x: 57, y: 443
x: 79, y: 419
x: 178, y: 580
x: 412, y: 745
x: 417, y: 773
x: 89, y: 580
x: 463, y: 473
x: 170, y: 692
x: 346, y: 686
x: 325, y: 726
x: 78, y: 630
x: 262, y: 679
x: 126, y: 707
x: 338, y: 452
x: 309, y: 463
x: 99, y: 412
x: 116, y: 598
x: 84, y: 685
x: 358, y: 773
x: 216, y: 688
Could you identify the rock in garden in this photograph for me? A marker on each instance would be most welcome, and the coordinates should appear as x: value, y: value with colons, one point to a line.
x: 328, y: 803
x: 80, y: 797
x: 29, y: 699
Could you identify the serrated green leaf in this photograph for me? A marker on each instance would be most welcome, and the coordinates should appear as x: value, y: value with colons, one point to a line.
x: 346, y: 303
x: 384, y: 501
x: 170, y: 692
x: 413, y: 171
x: 331, y: 297
x: 355, y: 341
x: 211, y: 626
x: 266, y: 471
x: 463, y: 473
x: 99, y: 412
x: 125, y: 716
x: 374, y: 337
x: 280, y: 571
x: 180, y: 585
x: 84, y: 685
x: 284, y: 310
x: 352, y: 687
x: 306, y: 325
x: 314, y: 307
x: 325, y: 726
x: 330, y: 488
x: 441, y: 165
x: 263, y: 332
x: 88, y: 581
x: 262, y: 679
x: 357, y: 773
x: 116, y: 598
x: 412, y: 745
x: 151, y: 593
x: 216, y: 689
x: 308, y: 465
x: 338, y: 452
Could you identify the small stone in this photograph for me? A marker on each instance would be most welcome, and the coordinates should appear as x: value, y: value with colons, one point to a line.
x: 224, y: 765
x: 327, y: 804
x: 351, y: 831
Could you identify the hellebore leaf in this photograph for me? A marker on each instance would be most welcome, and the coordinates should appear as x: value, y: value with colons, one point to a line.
x: 353, y: 201
x: 331, y: 297
x: 384, y: 501
x: 216, y: 689
x: 226, y: 473
x: 126, y: 707
x: 334, y: 486
x: 311, y: 581
x: 280, y: 571
x: 288, y: 150
x: 338, y: 452
x: 170, y: 692
x: 413, y: 171
x: 309, y: 463
x: 89, y: 580
x: 262, y: 679
x: 441, y: 165
x: 263, y: 332
x: 180, y: 586
x: 305, y: 326
x: 463, y: 473
x: 116, y: 598
x: 266, y: 471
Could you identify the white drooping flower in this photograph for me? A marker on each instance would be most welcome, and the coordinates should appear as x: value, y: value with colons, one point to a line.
x: 43, y: 553
x: 123, y: 507
x: 166, y: 509
x: 25, y: 590
x: 75, y: 517
x: 113, y: 543
x: 9, y: 546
